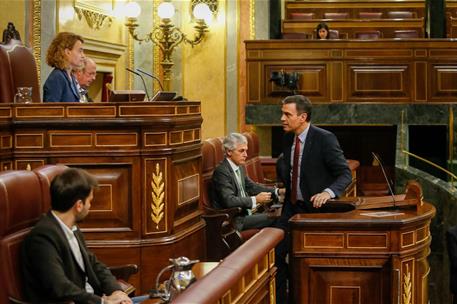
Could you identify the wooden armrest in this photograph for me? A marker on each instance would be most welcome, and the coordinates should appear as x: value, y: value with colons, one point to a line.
x: 124, y: 272
x: 126, y: 287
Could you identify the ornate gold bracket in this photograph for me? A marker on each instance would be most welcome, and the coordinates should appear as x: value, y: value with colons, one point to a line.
x: 95, y: 17
x: 158, y: 195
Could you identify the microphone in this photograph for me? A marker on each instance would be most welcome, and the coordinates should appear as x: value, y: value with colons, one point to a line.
x: 152, y: 76
x: 376, y: 157
x: 142, y: 79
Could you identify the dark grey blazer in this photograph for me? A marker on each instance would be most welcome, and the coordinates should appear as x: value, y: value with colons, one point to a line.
x: 226, y: 192
x: 322, y: 165
x: 50, y: 271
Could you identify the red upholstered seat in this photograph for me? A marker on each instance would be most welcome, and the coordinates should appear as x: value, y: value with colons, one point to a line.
x: 366, y: 35
x: 221, y: 236
x: 20, y: 208
x: 336, y: 15
x: 370, y: 15
x: 401, y: 15
x: 333, y: 34
x: 24, y: 197
x: 46, y: 174
x: 301, y: 16
x: 218, y: 149
x: 23, y: 70
x: 6, y: 81
x: 406, y: 34
x: 294, y: 35
x: 252, y: 158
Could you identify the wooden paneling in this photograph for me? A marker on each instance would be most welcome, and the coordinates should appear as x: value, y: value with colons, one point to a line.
x: 451, y: 18
x: 146, y: 158
x: 354, y: 22
x: 348, y: 28
x: 354, y: 8
x: 419, y: 70
x: 354, y: 258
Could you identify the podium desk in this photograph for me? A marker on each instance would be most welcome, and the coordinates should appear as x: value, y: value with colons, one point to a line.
x: 360, y: 256
x: 146, y: 157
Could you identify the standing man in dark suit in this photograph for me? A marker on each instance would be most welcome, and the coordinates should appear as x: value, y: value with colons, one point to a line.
x: 315, y: 171
x: 56, y: 264
x: 233, y: 188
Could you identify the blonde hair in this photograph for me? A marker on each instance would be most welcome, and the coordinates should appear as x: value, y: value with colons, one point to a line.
x: 55, y: 56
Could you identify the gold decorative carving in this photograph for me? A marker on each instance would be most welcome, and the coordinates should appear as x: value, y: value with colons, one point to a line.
x: 252, y: 19
x: 407, y: 286
x: 131, y: 48
x: 156, y: 50
x: 36, y: 30
x: 272, y: 291
x: 95, y: 17
x: 212, y: 4
x: 158, y: 195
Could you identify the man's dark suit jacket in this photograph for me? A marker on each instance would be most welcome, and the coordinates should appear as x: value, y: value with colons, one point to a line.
x: 58, y: 87
x: 226, y: 192
x: 50, y: 270
x: 322, y: 165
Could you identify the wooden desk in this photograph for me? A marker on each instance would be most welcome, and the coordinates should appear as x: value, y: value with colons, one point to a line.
x: 361, y: 258
x: 347, y: 28
x: 146, y: 157
x: 339, y: 71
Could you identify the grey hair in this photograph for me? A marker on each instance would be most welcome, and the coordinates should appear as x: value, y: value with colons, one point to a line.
x: 232, y: 140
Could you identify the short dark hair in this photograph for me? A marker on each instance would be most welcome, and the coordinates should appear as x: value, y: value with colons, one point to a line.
x: 302, y: 104
x: 70, y: 186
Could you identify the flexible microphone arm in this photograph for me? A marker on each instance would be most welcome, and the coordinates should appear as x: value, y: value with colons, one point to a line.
x: 152, y: 76
x: 385, y: 176
x: 142, y: 79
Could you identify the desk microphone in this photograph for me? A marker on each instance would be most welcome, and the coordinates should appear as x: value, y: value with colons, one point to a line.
x: 376, y: 157
x: 152, y: 76
x: 142, y: 79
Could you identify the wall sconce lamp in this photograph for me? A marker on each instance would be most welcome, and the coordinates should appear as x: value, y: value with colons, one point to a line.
x: 166, y: 35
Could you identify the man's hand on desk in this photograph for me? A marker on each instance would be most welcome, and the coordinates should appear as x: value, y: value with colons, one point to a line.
x: 320, y: 199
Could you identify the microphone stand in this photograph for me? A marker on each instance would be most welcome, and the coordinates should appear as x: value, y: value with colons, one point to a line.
x: 375, y: 156
x: 152, y: 76
x: 142, y: 79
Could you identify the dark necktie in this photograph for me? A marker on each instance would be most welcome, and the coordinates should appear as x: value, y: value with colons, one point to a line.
x: 295, y: 169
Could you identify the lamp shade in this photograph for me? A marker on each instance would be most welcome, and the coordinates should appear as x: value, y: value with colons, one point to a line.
x: 165, y: 10
x: 202, y: 11
x: 132, y: 10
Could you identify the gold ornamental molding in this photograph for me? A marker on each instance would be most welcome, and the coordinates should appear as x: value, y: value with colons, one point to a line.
x: 36, y: 32
x: 252, y: 19
x: 156, y: 58
x: 158, y: 195
x: 272, y: 290
x: 96, y: 17
x: 407, y: 287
